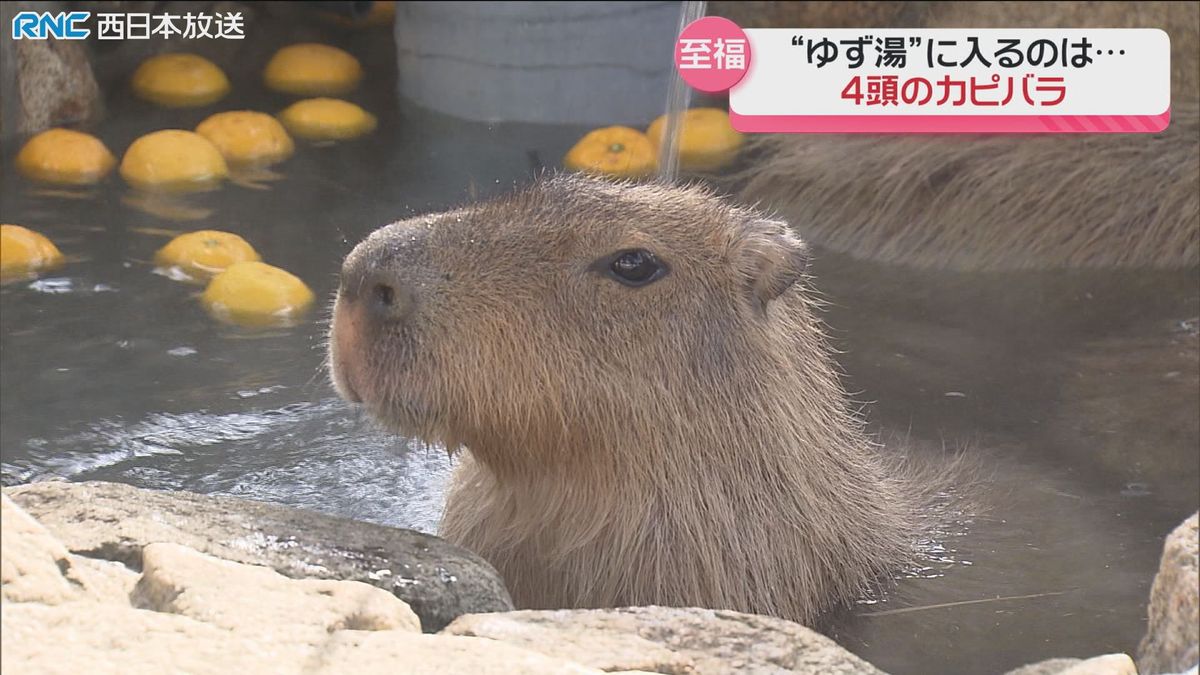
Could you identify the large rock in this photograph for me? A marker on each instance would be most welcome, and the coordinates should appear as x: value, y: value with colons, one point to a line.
x: 36, y: 567
x: 354, y: 652
x: 47, y: 83
x: 438, y: 580
x: 198, y: 614
x: 238, y: 597
x: 676, y: 641
x: 192, y: 612
x: 85, y: 637
x: 103, y: 638
x: 30, y: 559
x: 1108, y: 664
x: 1173, y: 635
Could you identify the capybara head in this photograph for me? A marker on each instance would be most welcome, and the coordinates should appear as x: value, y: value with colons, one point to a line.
x: 571, y: 302
x: 644, y: 391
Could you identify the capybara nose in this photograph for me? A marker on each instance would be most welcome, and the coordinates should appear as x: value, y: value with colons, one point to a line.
x: 388, y: 299
x: 383, y: 295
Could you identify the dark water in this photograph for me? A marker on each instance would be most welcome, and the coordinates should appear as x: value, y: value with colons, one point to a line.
x: 1076, y: 392
x: 1076, y: 395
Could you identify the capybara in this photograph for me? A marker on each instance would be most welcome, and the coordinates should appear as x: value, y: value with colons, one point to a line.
x: 999, y: 201
x: 990, y: 202
x: 644, y: 391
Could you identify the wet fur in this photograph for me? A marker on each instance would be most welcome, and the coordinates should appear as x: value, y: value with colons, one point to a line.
x: 687, y: 443
x: 991, y: 202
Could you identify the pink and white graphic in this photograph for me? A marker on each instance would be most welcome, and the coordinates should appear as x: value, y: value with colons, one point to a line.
x: 712, y: 54
x: 961, y: 80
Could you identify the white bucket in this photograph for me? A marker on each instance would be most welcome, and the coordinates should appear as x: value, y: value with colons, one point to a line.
x: 594, y: 63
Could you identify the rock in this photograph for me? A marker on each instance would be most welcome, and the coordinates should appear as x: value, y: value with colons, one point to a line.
x: 383, y: 652
x: 31, y: 559
x: 57, y: 86
x: 1173, y: 635
x: 191, y: 612
x: 199, y: 614
x: 52, y: 79
x: 1108, y: 664
x: 606, y: 649
x: 36, y: 567
x: 101, y: 580
x: 249, y: 599
x: 108, y: 638
x: 438, y: 580
x: 80, y: 637
x: 668, y: 640
x: 1047, y: 667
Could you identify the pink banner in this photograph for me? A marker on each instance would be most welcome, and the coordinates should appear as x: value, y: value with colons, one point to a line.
x: 954, y: 124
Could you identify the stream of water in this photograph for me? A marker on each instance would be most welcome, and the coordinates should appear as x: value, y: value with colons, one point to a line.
x: 679, y: 96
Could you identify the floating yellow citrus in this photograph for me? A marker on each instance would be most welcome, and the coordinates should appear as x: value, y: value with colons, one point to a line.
x: 65, y: 157
x: 180, y: 80
x: 24, y: 253
x: 311, y: 69
x: 256, y: 294
x: 246, y: 137
x: 173, y: 160
x: 326, y: 119
x: 381, y: 14
x: 198, y: 256
x: 707, y: 141
x: 613, y: 151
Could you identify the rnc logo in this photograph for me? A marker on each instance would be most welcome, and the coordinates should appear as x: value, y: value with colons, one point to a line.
x: 40, y: 25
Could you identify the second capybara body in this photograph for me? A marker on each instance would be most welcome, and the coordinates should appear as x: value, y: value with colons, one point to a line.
x: 643, y: 391
x: 990, y: 202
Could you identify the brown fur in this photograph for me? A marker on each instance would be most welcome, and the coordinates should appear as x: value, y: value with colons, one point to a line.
x: 1001, y: 201
x: 990, y: 202
x: 681, y: 443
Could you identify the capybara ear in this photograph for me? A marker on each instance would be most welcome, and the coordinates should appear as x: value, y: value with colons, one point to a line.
x: 773, y: 259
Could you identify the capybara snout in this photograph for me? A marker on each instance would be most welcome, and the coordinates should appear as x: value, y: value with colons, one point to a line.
x: 377, y: 297
x: 379, y: 274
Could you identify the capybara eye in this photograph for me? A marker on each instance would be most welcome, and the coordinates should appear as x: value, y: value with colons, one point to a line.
x: 384, y: 295
x: 636, y: 267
